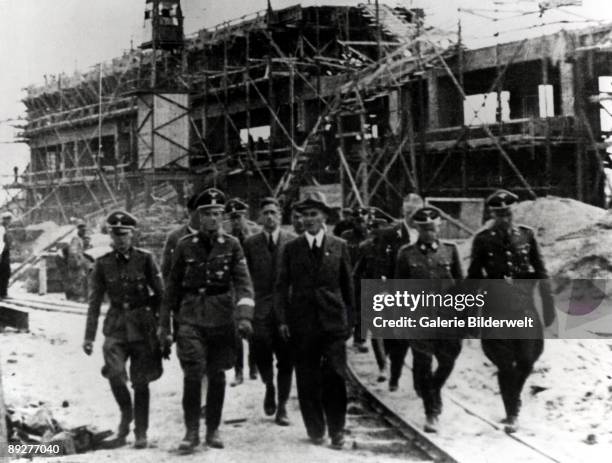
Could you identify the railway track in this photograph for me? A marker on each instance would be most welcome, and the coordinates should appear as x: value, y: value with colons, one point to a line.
x: 466, y: 435
x: 391, y: 423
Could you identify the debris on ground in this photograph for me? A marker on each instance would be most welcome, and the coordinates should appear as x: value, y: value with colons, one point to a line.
x: 35, y: 425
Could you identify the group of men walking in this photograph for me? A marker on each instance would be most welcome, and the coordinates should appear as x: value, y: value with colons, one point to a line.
x: 294, y: 296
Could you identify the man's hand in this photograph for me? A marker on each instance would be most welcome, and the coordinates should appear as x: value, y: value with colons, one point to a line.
x: 284, y: 332
x: 165, y: 343
x: 245, y: 329
x: 88, y: 347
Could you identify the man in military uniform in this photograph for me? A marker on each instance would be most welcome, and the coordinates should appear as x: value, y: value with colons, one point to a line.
x: 263, y: 251
x: 314, y: 307
x: 372, y: 263
x: 209, y: 291
x: 391, y: 240
x: 236, y: 210
x: 354, y: 236
x: 431, y: 259
x: 510, y: 255
x: 177, y: 234
x: 131, y: 279
x: 78, y: 264
x: 5, y: 253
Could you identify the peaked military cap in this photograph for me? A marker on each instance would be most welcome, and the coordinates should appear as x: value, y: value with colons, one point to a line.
x: 121, y: 220
x: 313, y: 200
x: 501, y: 199
x: 378, y: 214
x: 210, y: 198
x: 236, y: 206
x: 426, y: 215
x: 269, y: 200
x: 81, y: 224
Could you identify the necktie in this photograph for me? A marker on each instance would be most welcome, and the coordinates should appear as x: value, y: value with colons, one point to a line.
x: 271, y: 245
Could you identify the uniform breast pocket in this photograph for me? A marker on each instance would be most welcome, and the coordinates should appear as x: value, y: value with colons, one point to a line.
x: 523, y: 258
x: 444, y: 269
x: 218, y: 269
x: 194, y: 273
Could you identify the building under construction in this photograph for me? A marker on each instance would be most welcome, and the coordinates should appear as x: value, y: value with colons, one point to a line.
x: 366, y: 99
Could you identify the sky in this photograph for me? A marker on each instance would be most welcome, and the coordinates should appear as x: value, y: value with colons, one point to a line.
x: 39, y: 37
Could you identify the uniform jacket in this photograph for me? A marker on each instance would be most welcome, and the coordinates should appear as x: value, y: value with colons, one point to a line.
x: 206, y: 274
x: 170, y: 246
x: 422, y: 261
x: 497, y: 254
x: 249, y: 229
x: 134, y: 287
x: 315, y: 295
x: 263, y: 267
x: 353, y: 238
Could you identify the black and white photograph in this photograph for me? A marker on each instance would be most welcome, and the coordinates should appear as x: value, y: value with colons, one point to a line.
x: 347, y: 231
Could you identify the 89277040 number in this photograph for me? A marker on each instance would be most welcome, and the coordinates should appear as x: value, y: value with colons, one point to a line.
x: 34, y: 449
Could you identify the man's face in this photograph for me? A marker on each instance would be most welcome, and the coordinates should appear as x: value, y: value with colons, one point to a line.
x: 297, y: 220
x: 6, y: 221
x: 361, y: 221
x: 122, y: 239
x: 313, y: 220
x: 428, y: 232
x: 409, y: 209
x: 210, y: 219
x: 502, y: 218
x: 270, y: 216
x: 81, y: 232
x: 237, y: 220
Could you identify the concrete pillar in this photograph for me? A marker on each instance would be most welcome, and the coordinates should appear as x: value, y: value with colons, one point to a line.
x: 566, y: 72
x: 394, y: 112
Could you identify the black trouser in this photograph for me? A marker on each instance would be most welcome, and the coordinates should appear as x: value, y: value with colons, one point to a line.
x: 357, y: 333
x: 240, y: 355
x: 192, y: 401
x: 141, y: 403
x: 514, y: 359
x: 426, y: 381
x: 5, y: 275
x: 266, y: 345
x: 380, y: 354
x: 320, y: 370
x: 397, y: 350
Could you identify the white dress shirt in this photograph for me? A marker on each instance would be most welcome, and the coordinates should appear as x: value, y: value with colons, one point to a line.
x: 318, y: 238
x: 274, y: 234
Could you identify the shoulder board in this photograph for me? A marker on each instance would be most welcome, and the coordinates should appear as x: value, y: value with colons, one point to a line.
x: 187, y: 237
x: 448, y: 243
x: 108, y: 254
x: 143, y: 251
x: 524, y: 227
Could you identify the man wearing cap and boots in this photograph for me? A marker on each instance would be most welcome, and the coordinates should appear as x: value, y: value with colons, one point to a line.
x: 314, y: 307
x: 392, y: 240
x: 189, y: 228
x: 236, y: 210
x: 437, y: 262
x: 5, y: 253
x: 127, y: 275
x: 354, y: 236
x: 209, y: 291
x: 263, y: 251
x: 78, y: 264
x: 508, y: 256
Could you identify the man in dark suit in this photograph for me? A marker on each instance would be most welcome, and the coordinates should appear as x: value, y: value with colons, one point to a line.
x: 237, y: 225
x: 263, y: 251
x: 314, y: 305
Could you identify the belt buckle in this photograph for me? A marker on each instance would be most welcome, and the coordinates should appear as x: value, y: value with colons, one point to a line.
x: 126, y: 305
x: 201, y: 290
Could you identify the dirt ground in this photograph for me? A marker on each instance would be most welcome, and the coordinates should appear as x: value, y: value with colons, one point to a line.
x: 48, y: 365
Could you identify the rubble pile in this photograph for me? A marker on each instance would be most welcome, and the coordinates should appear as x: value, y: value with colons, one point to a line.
x: 35, y: 425
x: 154, y: 225
x: 576, y: 238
